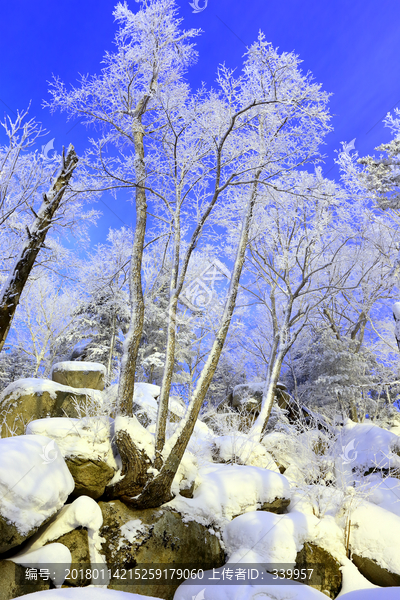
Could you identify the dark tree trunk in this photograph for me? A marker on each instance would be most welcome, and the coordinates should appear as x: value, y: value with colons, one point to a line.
x: 15, y: 284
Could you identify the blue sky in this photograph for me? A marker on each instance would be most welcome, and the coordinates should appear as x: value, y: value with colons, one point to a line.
x: 350, y: 47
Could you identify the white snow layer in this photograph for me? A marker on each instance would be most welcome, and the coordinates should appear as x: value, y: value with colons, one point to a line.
x: 57, y: 555
x: 34, y: 483
x: 88, y: 437
x: 83, y: 512
x: 144, y: 396
x: 382, y: 492
x: 77, y: 365
x: 363, y: 446
x: 224, y: 491
x: 352, y: 579
x: 263, y: 537
x: 375, y: 534
x: 292, y: 591
x: 32, y: 386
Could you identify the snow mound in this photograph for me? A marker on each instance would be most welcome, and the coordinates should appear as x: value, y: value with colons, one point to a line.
x: 293, y: 591
x: 382, y: 492
x: 242, y: 449
x: 224, y: 491
x: 352, y: 579
x: 34, y: 483
x: 375, y: 534
x: 88, y: 437
x: 83, y: 512
x: 263, y: 537
x: 201, y: 442
x: 57, y: 555
x: 362, y: 446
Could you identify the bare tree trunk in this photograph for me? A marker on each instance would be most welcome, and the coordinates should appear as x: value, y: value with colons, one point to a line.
x: 269, y: 393
x: 158, y: 490
x: 353, y: 406
x: 15, y: 284
x: 170, y: 351
x: 112, y: 346
x: 133, y: 337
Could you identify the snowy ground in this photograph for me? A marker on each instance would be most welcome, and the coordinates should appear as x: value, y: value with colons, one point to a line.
x: 324, y: 479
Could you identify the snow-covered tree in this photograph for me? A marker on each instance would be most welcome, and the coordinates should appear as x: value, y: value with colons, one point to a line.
x: 303, y: 249
x: 144, y: 73
x: 192, y: 153
x: 332, y: 374
x: 14, y: 364
x: 43, y: 320
x: 30, y: 207
x: 102, y: 315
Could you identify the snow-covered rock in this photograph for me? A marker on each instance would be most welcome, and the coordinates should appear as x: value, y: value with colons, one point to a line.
x: 28, y: 399
x: 34, y: 484
x: 159, y: 537
x: 79, y: 374
x: 374, y: 543
x: 86, y: 446
x: 225, y: 491
x: 362, y: 448
x: 230, y: 591
x: 82, y: 513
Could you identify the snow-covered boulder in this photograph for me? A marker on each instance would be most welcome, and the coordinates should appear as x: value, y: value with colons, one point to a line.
x: 76, y: 527
x: 79, y: 374
x: 364, y: 448
x: 86, y: 446
x: 224, y: 491
x: 267, y: 590
x: 283, y: 542
x: 28, y: 399
x: 34, y: 484
x: 158, y: 537
x: 374, y: 543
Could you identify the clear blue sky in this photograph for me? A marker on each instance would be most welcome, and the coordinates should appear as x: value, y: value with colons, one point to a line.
x: 351, y: 47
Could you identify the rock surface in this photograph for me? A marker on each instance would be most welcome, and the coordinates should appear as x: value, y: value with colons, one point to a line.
x: 90, y: 476
x: 374, y: 572
x: 155, y: 537
x: 278, y: 506
x: 26, y: 400
x: 77, y: 543
x: 326, y: 575
x: 79, y: 374
x: 14, y: 583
